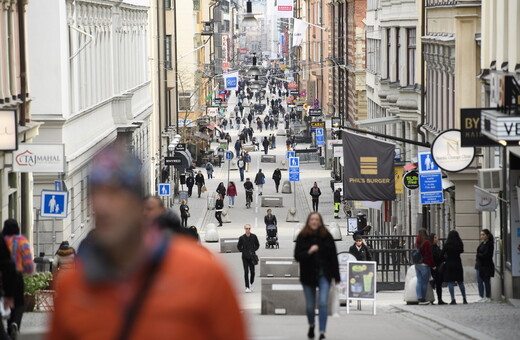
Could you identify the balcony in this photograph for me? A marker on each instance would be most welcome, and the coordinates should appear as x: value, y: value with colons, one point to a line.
x: 207, y: 28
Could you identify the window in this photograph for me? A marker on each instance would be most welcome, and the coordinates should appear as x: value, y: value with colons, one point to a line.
x: 167, y: 4
x: 225, y: 26
x: 184, y: 101
x: 196, y: 5
x: 412, y: 44
x: 397, y: 53
x: 320, y: 19
x: 168, y: 52
x: 372, y: 5
x: 373, y: 57
x: 388, y: 49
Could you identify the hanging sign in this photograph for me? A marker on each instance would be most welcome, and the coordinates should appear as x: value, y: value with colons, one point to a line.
x: 448, y: 153
x: 411, y: 180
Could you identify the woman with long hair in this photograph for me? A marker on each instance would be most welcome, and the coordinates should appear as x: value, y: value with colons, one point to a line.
x: 423, y: 270
x: 315, y: 250
x: 484, y: 265
x: 453, y: 271
x: 437, y: 270
x: 232, y: 193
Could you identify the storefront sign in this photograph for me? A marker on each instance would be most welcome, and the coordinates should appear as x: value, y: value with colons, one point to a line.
x: 318, y: 125
x: 448, y: 153
x: 285, y: 8
x: 39, y: 158
x: 9, y: 130
x: 498, y: 126
x: 411, y: 180
x: 470, y: 127
x: 398, y: 178
x: 315, y: 112
x: 212, y: 111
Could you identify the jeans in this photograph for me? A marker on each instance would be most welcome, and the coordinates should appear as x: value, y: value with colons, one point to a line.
x: 423, y: 276
x: 315, y: 205
x: 184, y: 221
x: 451, y: 288
x: 266, y: 149
x: 241, y: 170
x: 210, y: 174
x: 249, y: 267
x: 218, y: 216
x: 484, y: 284
x: 199, y: 189
x: 190, y: 190
x: 231, y: 201
x: 260, y: 188
x: 323, y: 302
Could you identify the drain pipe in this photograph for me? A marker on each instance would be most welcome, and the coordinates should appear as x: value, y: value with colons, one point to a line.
x: 423, y: 32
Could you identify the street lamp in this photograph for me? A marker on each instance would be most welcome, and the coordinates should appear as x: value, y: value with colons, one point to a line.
x: 254, y: 71
x: 249, y: 20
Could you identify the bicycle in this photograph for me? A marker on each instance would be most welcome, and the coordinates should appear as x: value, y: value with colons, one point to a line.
x: 347, y: 209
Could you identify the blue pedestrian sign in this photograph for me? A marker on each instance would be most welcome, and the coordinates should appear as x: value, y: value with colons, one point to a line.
x: 164, y: 189
x: 432, y: 198
x: 426, y: 163
x: 320, y: 140
x: 294, y: 161
x: 294, y: 176
x: 54, y: 204
x: 430, y: 182
x: 319, y: 132
x: 294, y: 169
x: 290, y: 154
x: 229, y: 155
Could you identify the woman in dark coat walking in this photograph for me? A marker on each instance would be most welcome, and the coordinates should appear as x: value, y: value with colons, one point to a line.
x: 277, y: 176
x: 453, y: 271
x: 315, y: 250
x: 437, y: 270
x: 221, y: 190
x: 484, y: 265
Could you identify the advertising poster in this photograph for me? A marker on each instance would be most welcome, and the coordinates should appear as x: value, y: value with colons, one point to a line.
x: 361, y: 280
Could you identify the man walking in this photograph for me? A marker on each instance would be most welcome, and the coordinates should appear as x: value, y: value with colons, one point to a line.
x: 248, y: 245
x: 277, y: 176
x: 315, y: 194
x: 190, y: 182
x: 265, y: 144
x: 241, y: 164
x: 238, y: 147
x: 259, y: 181
x: 247, y: 160
x: 199, y: 182
x: 337, y: 202
x: 209, y: 170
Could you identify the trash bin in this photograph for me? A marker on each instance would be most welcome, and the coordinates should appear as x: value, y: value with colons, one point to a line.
x: 43, y: 264
x: 183, y: 195
x: 211, y: 201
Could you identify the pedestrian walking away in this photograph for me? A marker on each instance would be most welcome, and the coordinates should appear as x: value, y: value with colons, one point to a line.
x: 265, y: 144
x: 453, y: 271
x: 190, y: 182
x: 437, y: 271
x: 63, y: 259
x: 238, y: 147
x: 185, y: 213
x: 270, y: 219
x: 359, y: 249
x: 315, y: 194
x: 316, y: 252
x: 248, y: 186
x: 484, y: 265
x: 241, y: 164
x: 247, y: 159
x: 125, y: 266
x: 209, y: 170
x: 423, y: 270
x: 259, y: 181
x: 277, y: 176
x: 337, y: 202
x: 232, y: 193
x: 248, y: 245
x: 199, y: 181
x: 219, y: 205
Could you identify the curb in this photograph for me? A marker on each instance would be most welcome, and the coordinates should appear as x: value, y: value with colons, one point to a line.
x: 455, y: 327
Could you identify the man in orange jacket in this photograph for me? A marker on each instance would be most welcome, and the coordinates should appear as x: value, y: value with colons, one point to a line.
x: 134, y: 282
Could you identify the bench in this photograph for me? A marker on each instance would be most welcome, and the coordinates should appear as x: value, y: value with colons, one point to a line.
x: 272, y: 201
x: 248, y: 147
x: 268, y: 159
x: 228, y: 245
x: 279, y: 267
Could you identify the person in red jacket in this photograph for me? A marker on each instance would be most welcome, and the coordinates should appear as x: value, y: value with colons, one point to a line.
x: 232, y: 192
x: 423, y: 270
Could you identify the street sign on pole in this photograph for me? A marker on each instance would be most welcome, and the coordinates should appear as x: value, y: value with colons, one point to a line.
x: 54, y: 204
x: 430, y: 180
x: 294, y: 161
x: 229, y: 155
x: 290, y: 154
x: 294, y: 169
x: 164, y: 189
x: 294, y: 176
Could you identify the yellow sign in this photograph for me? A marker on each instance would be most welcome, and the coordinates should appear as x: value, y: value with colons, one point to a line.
x: 305, y: 106
x: 368, y: 165
x: 317, y: 124
x: 398, y: 172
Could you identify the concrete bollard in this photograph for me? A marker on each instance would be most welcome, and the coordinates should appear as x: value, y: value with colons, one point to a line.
x: 291, y: 216
x: 225, y: 216
x: 296, y: 231
x: 211, y: 233
x: 283, y: 165
x: 286, y: 187
x: 335, y: 231
x: 281, y: 132
x: 233, y: 165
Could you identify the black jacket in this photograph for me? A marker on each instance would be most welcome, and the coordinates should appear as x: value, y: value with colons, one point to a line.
x: 362, y: 254
x: 7, y: 270
x: 437, y: 255
x: 259, y: 179
x: 199, y: 180
x: 248, y: 245
x: 190, y: 181
x: 221, y: 190
x: 453, y: 270
x: 248, y: 186
x: 315, y: 194
x: 219, y: 204
x: 277, y: 176
x: 337, y: 196
x: 484, y: 263
x: 270, y: 220
x: 325, y: 258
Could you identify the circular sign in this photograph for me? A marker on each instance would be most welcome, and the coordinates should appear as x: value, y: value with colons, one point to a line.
x: 411, y: 180
x: 448, y: 153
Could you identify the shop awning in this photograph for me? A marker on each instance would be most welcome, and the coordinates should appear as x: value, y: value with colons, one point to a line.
x: 378, y: 121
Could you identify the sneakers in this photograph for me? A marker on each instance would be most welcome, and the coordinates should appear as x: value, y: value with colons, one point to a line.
x: 322, y: 336
x: 251, y: 287
x: 424, y: 302
x: 248, y: 290
x: 483, y: 300
x: 310, y: 333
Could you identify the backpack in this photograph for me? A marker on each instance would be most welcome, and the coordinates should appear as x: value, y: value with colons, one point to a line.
x: 417, y: 257
x: 208, y: 166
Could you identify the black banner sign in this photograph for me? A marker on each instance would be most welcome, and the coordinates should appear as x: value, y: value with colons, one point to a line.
x: 470, y: 127
x: 369, y: 169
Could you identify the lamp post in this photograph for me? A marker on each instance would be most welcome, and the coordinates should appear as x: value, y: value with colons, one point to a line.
x: 171, y: 150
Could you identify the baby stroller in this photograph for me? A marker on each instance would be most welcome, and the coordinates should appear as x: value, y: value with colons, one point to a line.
x: 272, y: 237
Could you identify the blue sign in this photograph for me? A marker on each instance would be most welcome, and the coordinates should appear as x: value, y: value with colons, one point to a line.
x: 320, y: 140
x: 294, y: 176
x: 294, y: 161
x: 430, y: 182
x: 58, y: 186
x: 231, y: 82
x: 164, y: 189
x: 294, y: 169
x: 426, y: 163
x: 432, y: 198
x: 319, y: 132
x: 229, y: 155
x: 290, y: 154
x: 54, y: 204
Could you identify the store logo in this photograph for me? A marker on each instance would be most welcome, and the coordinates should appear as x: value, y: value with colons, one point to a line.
x: 231, y: 82
x: 26, y: 158
x: 368, y: 165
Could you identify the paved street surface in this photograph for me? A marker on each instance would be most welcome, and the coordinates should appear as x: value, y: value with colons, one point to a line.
x: 394, y: 320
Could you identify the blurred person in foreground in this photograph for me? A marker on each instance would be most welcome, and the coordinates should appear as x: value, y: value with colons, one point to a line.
x: 135, y: 282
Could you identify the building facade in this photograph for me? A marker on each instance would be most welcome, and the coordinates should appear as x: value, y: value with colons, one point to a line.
x: 92, y: 88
